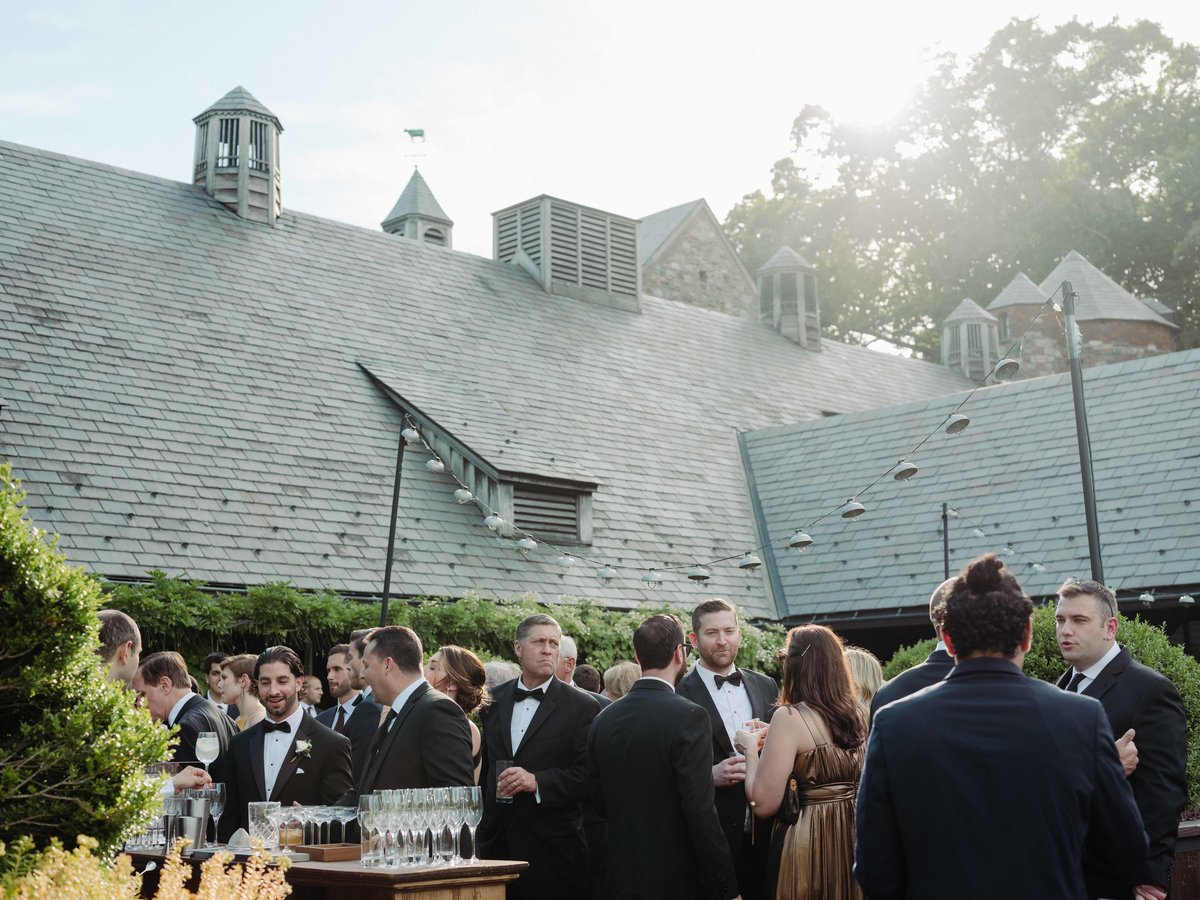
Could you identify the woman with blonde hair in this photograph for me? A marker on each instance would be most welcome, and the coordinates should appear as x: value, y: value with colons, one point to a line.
x: 868, y: 677
x: 237, y: 686
x: 619, y: 678
x: 459, y: 674
x: 813, y: 754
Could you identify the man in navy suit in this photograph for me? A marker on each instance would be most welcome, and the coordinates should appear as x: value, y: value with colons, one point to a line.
x: 1140, y: 703
x: 533, y: 808
x: 989, y: 784
x: 936, y: 666
x: 734, y: 699
x: 356, y: 718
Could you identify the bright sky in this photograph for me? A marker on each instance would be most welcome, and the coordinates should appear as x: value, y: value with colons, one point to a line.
x: 629, y: 107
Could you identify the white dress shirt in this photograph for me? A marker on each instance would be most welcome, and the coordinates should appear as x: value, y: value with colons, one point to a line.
x: 524, y: 711
x: 1090, y: 673
x: 732, y: 701
x: 178, y: 707
x: 276, y: 746
x: 402, y: 698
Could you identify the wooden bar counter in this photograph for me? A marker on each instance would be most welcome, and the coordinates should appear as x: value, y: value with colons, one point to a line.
x: 483, y: 879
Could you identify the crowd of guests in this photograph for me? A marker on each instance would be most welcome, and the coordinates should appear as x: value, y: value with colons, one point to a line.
x: 662, y: 778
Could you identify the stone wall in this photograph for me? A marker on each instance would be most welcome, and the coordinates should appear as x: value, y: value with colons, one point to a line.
x: 698, y: 267
x: 1044, y: 349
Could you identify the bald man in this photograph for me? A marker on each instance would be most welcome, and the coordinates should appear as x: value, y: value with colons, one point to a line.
x: 936, y: 666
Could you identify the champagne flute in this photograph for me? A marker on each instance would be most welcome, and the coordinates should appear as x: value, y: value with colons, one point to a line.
x: 474, y: 816
x: 207, y: 748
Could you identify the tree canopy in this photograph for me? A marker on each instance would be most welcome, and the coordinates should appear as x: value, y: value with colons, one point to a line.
x: 1082, y: 138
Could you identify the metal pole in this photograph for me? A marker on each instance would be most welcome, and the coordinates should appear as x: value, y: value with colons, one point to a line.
x: 946, y: 539
x: 391, y: 547
x: 1074, y: 346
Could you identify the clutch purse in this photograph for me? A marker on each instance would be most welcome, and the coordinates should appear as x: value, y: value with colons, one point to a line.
x: 789, y: 810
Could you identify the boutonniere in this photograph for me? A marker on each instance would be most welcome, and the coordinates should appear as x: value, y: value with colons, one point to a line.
x: 303, y: 749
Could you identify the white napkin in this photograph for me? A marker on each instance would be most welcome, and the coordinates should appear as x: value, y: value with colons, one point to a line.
x: 239, y: 840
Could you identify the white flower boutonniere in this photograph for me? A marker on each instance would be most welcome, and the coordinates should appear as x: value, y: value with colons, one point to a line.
x: 303, y: 749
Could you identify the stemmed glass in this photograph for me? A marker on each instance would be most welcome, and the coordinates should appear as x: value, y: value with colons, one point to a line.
x: 207, y: 748
x: 216, y: 806
x: 369, y: 807
x: 474, y: 814
x: 324, y: 816
x: 458, y: 807
x: 344, y: 815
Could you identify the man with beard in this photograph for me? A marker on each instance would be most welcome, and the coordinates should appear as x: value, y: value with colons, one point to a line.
x: 734, y: 699
x: 288, y: 756
x: 357, y: 719
x: 649, y: 762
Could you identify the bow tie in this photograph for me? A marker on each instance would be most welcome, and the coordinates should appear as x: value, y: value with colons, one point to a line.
x: 734, y: 678
x: 269, y: 726
x: 536, y: 695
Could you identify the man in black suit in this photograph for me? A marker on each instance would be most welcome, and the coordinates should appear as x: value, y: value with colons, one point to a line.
x: 936, y: 666
x: 424, y: 742
x: 163, y: 684
x: 356, y: 718
x: 533, y: 808
x: 650, y: 766
x: 1140, y: 703
x: 988, y: 784
x: 288, y: 756
x: 733, y: 698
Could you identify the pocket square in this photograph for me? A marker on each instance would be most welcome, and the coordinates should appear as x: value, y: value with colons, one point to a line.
x: 299, y: 771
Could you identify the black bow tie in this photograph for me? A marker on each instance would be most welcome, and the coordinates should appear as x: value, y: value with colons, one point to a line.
x: 734, y: 678
x: 536, y: 694
x: 285, y: 727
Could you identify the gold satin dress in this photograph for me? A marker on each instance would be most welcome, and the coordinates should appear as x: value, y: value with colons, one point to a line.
x: 814, y: 859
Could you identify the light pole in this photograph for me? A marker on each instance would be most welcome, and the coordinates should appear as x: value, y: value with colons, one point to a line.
x: 391, y: 545
x: 1074, y: 346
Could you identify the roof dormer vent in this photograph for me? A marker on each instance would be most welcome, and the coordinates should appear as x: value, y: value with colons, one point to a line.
x: 237, y: 156
x: 572, y: 250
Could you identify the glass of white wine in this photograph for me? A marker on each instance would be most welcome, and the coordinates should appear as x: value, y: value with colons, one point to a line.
x: 207, y: 748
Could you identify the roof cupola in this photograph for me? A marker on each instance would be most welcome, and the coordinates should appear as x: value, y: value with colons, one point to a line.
x: 418, y: 215
x: 787, y: 297
x: 237, y: 156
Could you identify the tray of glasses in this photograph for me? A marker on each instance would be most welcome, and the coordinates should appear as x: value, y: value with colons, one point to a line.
x: 331, y: 852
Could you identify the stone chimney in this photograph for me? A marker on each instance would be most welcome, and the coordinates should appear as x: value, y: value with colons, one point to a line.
x: 237, y: 156
x: 418, y: 215
x: 787, y: 298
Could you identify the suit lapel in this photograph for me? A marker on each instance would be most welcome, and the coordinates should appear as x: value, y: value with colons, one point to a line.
x: 1107, y: 679
x: 257, y: 739
x: 701, y: 696
x: 545, y: 707
x: 291, y: 761
x: 760, y: 703
x: 387, y: 738
x: 504, y: 712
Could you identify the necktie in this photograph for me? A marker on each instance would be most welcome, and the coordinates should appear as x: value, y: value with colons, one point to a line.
x: 269, y: 726
x: 377, y: 741
x: 357, y: 700
x: 339, y: 724
x: 519, y: 695
x: 1073, y: 687
x: 734, y: 678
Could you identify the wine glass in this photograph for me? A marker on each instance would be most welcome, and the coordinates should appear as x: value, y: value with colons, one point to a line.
x: 207, y: 748
x: 344, y: 815
x: 216, y: 806
x: 369, y: 806
x: 474, y: 816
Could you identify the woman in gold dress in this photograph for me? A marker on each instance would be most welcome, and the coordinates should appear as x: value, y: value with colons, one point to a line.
x: 817, y: 736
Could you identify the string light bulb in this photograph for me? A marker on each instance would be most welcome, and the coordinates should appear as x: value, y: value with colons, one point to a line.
x: 853, y: 509
x: 1038, y: 568
x: 1147, y: 598
x: 699, y: 574
x: 653, y: 578
x: 1187, y: 599
x: 435, y: 465
x: 410, y: 435
x: 799, y: 541
x: 906, y: 471
x: 1007, y: 368
x: 956, y: 423
x: 493, y: 522
x: 749, y: 562
x: 462, y: 495
x: 527, y: 545
x: 606, y: 574
x: 565, y: 561
x: 979, y: 533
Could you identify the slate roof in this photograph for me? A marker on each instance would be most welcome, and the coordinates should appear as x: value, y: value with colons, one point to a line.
x: 1021, y: 291
x: 1013, y: 474
x: 969, y: 309
x: 417, y: 200
x: 656, y: 228
x: 184, y: 390
x: 239, y: 100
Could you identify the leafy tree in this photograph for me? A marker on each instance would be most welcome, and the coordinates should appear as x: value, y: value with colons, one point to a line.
x: 73, y: 746
x: 1084, y: 137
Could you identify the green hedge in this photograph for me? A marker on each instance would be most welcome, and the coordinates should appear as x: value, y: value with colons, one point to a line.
x: 73, y: 746
x: 1147, y: 644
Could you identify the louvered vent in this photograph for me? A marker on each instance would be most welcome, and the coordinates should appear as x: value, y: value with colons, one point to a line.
x: 551, y: 515
x: 572, y: 250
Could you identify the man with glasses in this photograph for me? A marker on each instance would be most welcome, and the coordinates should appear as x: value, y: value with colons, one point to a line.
x: 1137, y: 699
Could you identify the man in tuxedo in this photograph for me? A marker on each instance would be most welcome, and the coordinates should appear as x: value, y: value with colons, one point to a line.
x: 213, y: 663
x: 733, y: 698
x: 163, y: 684
x: 988, y: 784
x: 936, y: 666
x: 288, y: 756
x: 650, y: 766
x: 568, y: 655
x: 120, y: 645
x: 352, y: 716
x: 357, y: 644
x: 1140, y: 703
x: 424, y: 742
x: 533, y: 807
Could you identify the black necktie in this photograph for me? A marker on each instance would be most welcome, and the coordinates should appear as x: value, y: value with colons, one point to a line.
x: 536, y: 694
x: 377, y: 741
x: 734, y: 678
x: 1073, y: 687
x: 269, y: 726
x: 340, y: 722
x: 357, y: 700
